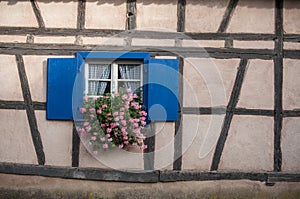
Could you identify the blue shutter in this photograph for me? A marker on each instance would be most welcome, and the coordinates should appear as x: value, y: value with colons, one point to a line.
x: 162, y: 90
x: 60, y: 80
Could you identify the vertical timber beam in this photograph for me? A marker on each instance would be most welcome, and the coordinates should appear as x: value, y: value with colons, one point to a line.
x: 181, y: 4
x: 38, y: 14
x: 234, y: 97
x: 278, y: 78
x: 75, y: 147
x: 35, y: 134
x: 177, y: 163
x: 150, y: 142
x: 75, y: 137
x: 81, y: 14
x: 226, y: 19
x: 131, y: 15
x: 227, y: 15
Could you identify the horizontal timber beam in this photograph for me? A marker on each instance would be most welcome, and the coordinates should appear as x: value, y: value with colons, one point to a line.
x: 222, y: 110
x: 80, y: 173
x: 69, y: 49
x: 20, y: 105
x: 143, y: 176
x: 137, y: 34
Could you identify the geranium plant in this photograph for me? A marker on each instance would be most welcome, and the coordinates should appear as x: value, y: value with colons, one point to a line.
x: 113, y: 120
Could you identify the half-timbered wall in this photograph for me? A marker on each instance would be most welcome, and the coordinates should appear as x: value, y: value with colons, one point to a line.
x: 246, y: 51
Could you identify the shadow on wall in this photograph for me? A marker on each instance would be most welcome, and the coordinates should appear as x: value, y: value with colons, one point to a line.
x: 208, y: 3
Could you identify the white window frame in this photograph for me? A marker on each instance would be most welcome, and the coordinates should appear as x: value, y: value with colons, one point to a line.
x: 113, y: 74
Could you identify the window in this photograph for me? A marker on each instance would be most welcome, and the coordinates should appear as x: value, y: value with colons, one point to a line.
x: 105, y: 77
x: 95, y: 73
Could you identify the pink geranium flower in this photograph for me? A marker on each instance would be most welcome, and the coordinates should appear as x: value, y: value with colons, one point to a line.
x: 124, y: 122
x: 82, y: 110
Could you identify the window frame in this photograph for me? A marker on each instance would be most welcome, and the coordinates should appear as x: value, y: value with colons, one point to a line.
x: 114, y: 72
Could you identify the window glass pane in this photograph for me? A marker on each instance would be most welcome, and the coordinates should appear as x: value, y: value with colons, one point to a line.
x: 99, y: 71
x: 98, y: 87
x: 130, y: 71
x: 134, y: 86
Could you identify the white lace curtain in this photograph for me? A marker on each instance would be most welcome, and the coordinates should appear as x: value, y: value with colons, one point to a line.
x: 130, y: 72
x: 98, y: 71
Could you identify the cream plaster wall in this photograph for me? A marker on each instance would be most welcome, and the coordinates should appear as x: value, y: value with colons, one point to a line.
x: 203, y: 43
x: 258, y: 86
x: 164, y: 145
x: 58, y: 14
x: 200, y: 135
x: 16, y: 144
x: 204, y: 15
x: 291, y: 84
x: 109, y: 14
x: 253, y: 44
x: 290, y: 137
x: 253, y: 16
x: 208, y: 82
x: 9, y: 79
x: 249, y: 145
x: 291, y: 16
x: 17, y: 13
x: 157, y: 14
x: 58, y: 134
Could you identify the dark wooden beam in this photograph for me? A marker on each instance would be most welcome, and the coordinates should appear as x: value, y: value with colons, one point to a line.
x: 138, y: 34
x: 291, y: 37
x: 131, y: 15
x: 38, y: 14
x: 80, y: 173
x: 20, y: 105
x: 70, y: 49
x: 35, y: 134
x: 81, y: 14
x: 292, y: 54
x: 144, y: 176
x: 227, y: 15
x: 177, y: 162
x: 149, y: 132
x: 75, y: 147
x: 59, y: 31
x: 39, y: 106
x: 278, y: 79
x: 291, y: 113
x: 222, y: 110
x: 181, y: 4
x: 194, y: 175
x: 229, y: 114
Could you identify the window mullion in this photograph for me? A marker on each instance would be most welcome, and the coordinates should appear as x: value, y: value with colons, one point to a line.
x: 86, y: 74
x: 114, y: 81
